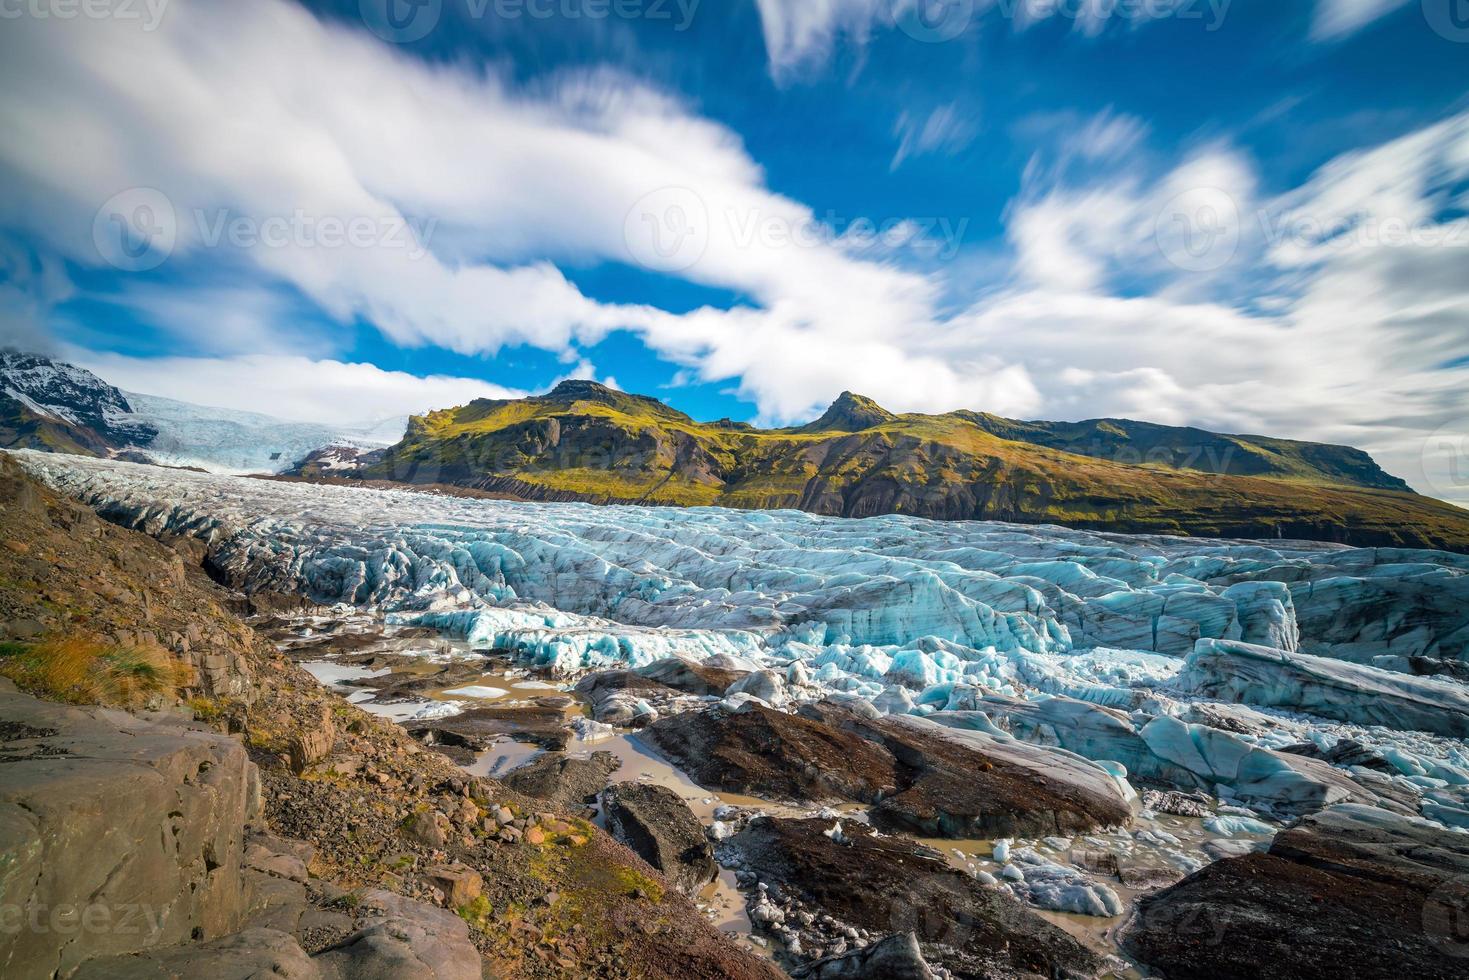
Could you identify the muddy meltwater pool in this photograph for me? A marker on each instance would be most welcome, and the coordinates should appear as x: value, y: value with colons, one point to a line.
x: 413, y: 677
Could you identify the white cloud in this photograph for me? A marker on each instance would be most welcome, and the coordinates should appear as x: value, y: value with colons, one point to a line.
x: 295, y: 388
x: 1362, y: 336
x: 947, y: 129
x: 259, y: 107
x: 802, y: 33
x: 1336, y: 19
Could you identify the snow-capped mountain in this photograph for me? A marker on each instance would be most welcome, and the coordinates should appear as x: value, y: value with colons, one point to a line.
x: 49, y: 404
x: 63, y: 393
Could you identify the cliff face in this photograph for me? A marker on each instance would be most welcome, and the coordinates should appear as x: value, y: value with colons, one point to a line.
x: 587, y: 442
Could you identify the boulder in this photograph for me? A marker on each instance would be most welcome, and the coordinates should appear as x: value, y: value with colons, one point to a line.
x: 402, y: 940
x: 885, y: 884
x: 898, y: 957
x: 758, y: 751
x: 137, y: 825
x: 247, y: 955
x: 1386, y: 891
x: 662, y: 830
x: 565, y: 782
x: 459, y: 884
x: 313, y: 741
x: 699, y: 678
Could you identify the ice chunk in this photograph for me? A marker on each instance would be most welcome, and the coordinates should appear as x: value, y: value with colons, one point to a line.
x: 1329, y: 688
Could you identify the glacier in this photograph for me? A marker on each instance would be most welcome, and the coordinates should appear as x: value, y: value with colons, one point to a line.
x: 1238, y: 667
x: 230, y: 441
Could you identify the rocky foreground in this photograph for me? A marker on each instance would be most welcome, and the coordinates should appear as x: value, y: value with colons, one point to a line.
x: 251, y: 823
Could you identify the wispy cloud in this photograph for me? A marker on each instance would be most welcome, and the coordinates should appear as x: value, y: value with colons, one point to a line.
x: 1336, y: 19
x: 946, y: 129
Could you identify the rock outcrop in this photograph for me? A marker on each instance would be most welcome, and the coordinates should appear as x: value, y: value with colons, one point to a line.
x: 563, y: 781
x: 1352, y: 888
x: 662, y: 830
x: 815, y: 883
x: 120, y: 833
x: 70, y: 573
x: 917, y: 776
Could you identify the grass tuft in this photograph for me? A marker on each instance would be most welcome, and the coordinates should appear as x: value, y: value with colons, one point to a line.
x: 79, y: 670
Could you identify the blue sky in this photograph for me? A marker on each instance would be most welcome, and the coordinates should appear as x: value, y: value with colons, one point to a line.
x: 1244, y: 215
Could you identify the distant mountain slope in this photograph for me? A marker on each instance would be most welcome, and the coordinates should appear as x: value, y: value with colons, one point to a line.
x: 1144, y: 443
x: 586, y: 442
x: 47, y: 404
x: 51, y: 405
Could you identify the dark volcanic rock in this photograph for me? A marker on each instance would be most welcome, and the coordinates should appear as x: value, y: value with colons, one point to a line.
x: 887, y: 884
x: 1351, y: 890
x: 562, y: 780
x: 692, y: 677
x: 543, y: 723
x: 917, y: 776
x: 897, y: 957
x: 956, y: 783
x: 662, y: 830
x: 759, y: 751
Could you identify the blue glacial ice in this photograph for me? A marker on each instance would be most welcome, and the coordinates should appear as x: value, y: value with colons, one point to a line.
x: 1069, y: 638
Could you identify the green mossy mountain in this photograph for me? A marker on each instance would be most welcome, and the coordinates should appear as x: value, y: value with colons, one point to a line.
x: 583, y: 441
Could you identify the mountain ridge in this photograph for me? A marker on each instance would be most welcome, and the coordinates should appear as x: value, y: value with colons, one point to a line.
x: 584, y: 441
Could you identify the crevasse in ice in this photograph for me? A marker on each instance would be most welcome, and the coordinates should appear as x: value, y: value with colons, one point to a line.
x: 1072, y: 637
